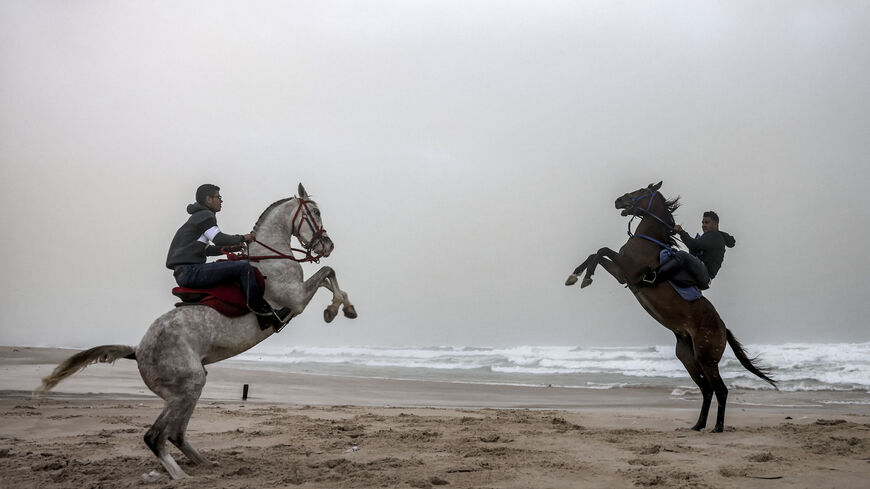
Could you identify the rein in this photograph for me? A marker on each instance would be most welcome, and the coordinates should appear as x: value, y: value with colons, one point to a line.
x: 309, y: 256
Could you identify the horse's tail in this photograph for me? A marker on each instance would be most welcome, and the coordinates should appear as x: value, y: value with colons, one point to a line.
x: 747, y: 362
x: 97, y: 354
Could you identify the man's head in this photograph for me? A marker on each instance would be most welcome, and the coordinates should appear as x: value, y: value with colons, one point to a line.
x: 209, y: 196
x: 710, y: 221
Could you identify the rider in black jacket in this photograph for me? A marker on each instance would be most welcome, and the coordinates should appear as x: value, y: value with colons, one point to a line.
x: 707, y: 249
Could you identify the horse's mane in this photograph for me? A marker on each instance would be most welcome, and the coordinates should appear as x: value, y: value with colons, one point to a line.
x: 671, y: 206
x: 269, y: 209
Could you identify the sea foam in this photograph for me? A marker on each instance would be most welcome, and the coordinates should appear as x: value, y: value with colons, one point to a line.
x: 797, y: 366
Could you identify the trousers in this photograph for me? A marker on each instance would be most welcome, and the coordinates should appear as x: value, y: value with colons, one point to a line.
x: 693, y: 266
x: 207, y: 275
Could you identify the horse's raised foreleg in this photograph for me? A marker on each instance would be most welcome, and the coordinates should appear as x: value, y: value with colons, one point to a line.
x: 572, y: 279
x: 325, y: 277
x: 613, y: 268
x: 608, y: 258
x: 590, y: 270
x: 686, y: 354
x: 339, y: 297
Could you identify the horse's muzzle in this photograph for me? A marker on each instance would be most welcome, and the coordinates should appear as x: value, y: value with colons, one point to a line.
x: 323, y: 246
x: 623, y: 203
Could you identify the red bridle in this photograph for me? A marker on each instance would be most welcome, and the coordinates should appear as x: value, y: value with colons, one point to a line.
x: 317, y: 235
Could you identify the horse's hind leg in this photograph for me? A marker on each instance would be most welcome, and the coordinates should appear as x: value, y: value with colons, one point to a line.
x: 178, y: 428
x: 711, y: 371
x: 686, y: 354
x: 180, y: 396
x: 708, y: 352
x: 156, y: 437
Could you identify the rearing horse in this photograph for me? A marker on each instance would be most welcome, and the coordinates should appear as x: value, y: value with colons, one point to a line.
x: 701, y: 333
x: 179, y: 344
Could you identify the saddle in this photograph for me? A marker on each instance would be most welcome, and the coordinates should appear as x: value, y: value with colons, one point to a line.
x: 684, y: 281
x: 688, y: 294
x: 227, y: 299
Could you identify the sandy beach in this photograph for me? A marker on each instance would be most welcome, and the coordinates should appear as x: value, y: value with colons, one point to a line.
x: 299, y: 430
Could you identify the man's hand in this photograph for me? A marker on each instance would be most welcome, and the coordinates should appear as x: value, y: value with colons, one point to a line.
x: 250, y: 237
x: 678, y: 228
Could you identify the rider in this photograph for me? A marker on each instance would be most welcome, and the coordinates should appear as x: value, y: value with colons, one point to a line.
x: 707, y: 250
x: 191, y: 245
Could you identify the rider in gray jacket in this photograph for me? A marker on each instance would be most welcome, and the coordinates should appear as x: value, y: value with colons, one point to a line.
x: 199, y: 238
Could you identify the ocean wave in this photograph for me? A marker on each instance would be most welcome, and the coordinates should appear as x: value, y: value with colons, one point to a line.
x: 797, y: 366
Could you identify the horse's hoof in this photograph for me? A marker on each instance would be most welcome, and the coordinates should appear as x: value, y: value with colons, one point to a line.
x: 718, y: 429
x: 572, y: 279
x: 698, y: 427
x: 586, y: 282
x: 329, y: 314
x: 349, y: 312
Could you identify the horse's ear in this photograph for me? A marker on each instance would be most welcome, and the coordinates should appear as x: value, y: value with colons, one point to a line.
x: 656, y: 186
x: 302, y: 193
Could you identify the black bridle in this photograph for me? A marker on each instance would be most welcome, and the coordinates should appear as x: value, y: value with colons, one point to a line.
x: 646, y: 212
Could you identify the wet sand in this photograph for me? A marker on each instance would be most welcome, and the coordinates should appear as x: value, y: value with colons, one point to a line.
x: 326, y: 432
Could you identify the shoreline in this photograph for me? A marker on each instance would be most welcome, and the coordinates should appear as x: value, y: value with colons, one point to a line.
x: 23, y: 367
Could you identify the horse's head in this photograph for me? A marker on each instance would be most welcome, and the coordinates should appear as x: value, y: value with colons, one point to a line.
x: 634, y: 203
x: 307, y: 226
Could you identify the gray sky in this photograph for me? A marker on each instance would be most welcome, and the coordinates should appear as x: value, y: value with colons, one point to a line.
x: 465, y: 155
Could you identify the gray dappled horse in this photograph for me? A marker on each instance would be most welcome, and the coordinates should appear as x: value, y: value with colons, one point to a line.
x: 172, y: 354
x: 701, y: 333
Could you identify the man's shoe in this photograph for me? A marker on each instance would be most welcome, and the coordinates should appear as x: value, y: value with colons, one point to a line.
x: 274, y: 318
x: 666, y: 270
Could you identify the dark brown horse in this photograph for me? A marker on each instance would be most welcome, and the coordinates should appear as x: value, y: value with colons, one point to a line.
x: 701, y: 333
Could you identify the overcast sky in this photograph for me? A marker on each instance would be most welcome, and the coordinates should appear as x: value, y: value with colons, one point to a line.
x: 465, y: 156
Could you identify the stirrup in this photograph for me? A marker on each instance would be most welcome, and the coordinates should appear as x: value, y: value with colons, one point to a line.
x: 282, y: 322
x: 649, y: 281
x: 272, y: 318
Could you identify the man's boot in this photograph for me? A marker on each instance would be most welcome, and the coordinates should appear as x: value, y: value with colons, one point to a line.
x: 665, y: 271
x: 267, y: 317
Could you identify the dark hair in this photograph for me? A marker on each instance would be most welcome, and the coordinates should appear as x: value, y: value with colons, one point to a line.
x: 206, y: 190
x: 712, y: 215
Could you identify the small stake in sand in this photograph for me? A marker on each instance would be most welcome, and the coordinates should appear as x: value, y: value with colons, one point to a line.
x: 245, y: 392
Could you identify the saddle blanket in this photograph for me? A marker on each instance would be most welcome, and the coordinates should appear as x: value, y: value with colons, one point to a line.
x: 687, y: 293
x: 227, y: 299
